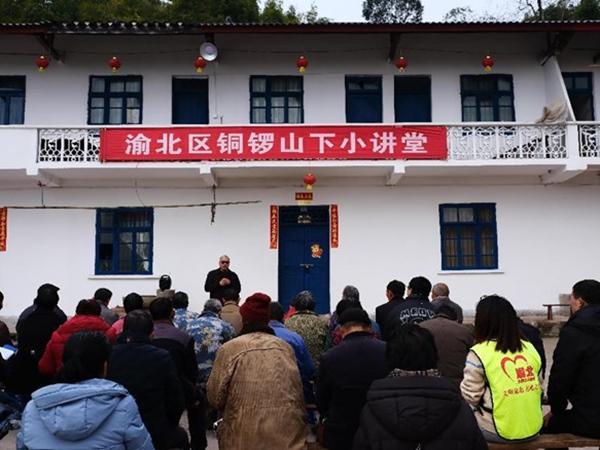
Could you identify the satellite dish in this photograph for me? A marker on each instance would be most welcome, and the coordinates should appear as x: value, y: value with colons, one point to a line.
x: 209, y: 51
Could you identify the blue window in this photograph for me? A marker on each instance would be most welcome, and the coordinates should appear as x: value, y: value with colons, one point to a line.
x: 469, y: 238
x: 124, y: 239
x: 190, y: 100
x: 115, y: 100
x: 363, y: 99
x: 581, y: 94
x: 12, y: 100
x: 276, y: 99
x: 487, y: 98
x: 412, y: 98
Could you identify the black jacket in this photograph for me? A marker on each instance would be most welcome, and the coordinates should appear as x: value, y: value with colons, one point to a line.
x: 532, y: 334
x: 345, y: 374
x: 575, y: 369
x: 34, y: 328
x: 382, y: 312
x: 413, y: 309
x: 401, y: 413
x: 213, y: 278
x: 149, y: 374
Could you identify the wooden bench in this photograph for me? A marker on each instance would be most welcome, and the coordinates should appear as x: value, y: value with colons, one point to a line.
x: 552, y: 305
x: 549, y: 441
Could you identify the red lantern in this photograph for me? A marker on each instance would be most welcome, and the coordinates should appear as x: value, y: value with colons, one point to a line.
x: 200, y: 64
x: 302, y: 64
x: 309, y: 180
x: 401, y: 64
x: 114, y: 63
x: 42, y: 63
x: 487, y: 63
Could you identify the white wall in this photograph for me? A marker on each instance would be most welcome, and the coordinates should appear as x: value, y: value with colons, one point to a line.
x: 547, y: 239
x: 59, y: 96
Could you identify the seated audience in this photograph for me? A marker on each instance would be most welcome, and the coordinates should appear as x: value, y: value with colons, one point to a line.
x: 150, y: 376
x: 310, y: 326
x: 415, y: 308
x: 256, y: 386
x: 231, y: 309
x: 576, y: 365
x: 501, y: 378
x: 453, y: 341
x: 413, y: 407
x: 395, y: 295
x: 83, y: 411
x: 131, y: 302
x: 103, y: 296
x: 183, y: 316
x: 337, y: 335
x: 440, y: 293
x: 345, y: 374
x: 351, y: 295
x: 86, y: 318
x: 5, y: 338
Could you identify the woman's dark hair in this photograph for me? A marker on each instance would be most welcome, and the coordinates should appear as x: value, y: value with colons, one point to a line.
x: 164, y: 282
x: 133, y: 301
x: 496, y: 319
x: 88, y: 308
x: 411, y: 348
x: 84, y: 357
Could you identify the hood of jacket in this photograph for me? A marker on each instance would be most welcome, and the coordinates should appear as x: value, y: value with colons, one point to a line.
x: 587, y: 320
x: 75, y: 411
x: 413, y: 408
x: 80, y: 323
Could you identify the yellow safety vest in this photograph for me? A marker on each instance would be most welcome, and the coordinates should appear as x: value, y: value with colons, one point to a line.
x: 515, y: 387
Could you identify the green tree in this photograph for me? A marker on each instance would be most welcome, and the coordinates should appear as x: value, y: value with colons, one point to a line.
x: 459, y: 14
x: 392, y: 11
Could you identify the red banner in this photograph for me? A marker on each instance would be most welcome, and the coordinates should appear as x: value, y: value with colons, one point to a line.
x: 274, y: 227
x: 3, y: 221
x: 249, y: 143
x: 335, y: 229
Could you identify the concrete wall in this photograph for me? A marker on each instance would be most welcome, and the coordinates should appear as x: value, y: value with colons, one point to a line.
x: 545, y: 241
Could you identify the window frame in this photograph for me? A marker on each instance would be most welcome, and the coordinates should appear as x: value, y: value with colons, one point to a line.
x: 379, y: 93
x: 115, y: 230
x: 397, y: 81
x: 478, y: 226
x: 268, y: 94
x: 495, y: 94
x: 575, y: 91
x: 10, y: 94
x: 107, y: 95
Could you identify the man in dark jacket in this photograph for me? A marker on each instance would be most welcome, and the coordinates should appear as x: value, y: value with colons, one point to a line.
x: 103, y: 296
x: 415, y: 308
x: 34, y: 328
x: 150, y: 376
x: 345, y: 374
x: 395, y: 294
x: 413, y: 407
x: 576, y: 365
x: 440, y: 296
x: 181, y: 347
x: 221, y: 278
x: 453, y: 341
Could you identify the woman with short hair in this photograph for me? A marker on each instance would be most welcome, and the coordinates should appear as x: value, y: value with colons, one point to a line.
x: 502, y: 375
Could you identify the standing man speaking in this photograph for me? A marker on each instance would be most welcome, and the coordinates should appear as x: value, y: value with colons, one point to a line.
x: 222, y: 278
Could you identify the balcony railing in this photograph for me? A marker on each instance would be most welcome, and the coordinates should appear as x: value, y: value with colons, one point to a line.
x: 466, y: 142
x: 589, y: 140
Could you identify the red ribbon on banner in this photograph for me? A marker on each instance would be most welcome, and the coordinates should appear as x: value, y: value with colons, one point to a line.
x: 252, y: 143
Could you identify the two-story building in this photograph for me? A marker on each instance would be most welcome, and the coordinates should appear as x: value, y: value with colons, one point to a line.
x: 113, y: 172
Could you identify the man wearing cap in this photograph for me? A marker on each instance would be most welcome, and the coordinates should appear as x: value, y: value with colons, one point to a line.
x: 345, y: 374
x: 255, y: 384
x: 34, y: 328
x: 222, y: 278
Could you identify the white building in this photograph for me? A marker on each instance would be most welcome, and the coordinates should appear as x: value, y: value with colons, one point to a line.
x: 512, y: 206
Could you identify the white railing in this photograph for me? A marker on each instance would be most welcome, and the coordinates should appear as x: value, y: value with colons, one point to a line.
x: 506, y: 141
x: 466, y: 142
x: 68, y: 145
x: 589, y: 140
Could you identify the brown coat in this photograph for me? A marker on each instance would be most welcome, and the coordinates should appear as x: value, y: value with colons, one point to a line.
x: 231, y: 314
x: 255, y: 383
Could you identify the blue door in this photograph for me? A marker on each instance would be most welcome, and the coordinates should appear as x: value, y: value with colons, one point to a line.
x: 304, y: 254
x: 190, y: 100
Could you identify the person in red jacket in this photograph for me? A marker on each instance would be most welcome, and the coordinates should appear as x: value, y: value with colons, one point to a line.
x: 87, y: 318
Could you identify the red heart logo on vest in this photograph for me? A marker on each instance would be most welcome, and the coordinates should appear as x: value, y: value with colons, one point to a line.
x: 514, y: 360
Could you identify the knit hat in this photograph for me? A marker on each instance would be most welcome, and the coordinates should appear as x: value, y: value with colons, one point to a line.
x: 256, y: 308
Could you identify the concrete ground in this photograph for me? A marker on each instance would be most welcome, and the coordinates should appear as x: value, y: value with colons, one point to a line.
x: 8, y: 443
